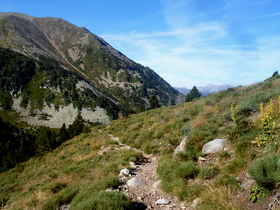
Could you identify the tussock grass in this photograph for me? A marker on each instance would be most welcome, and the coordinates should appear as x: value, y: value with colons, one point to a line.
x: 217, y: 197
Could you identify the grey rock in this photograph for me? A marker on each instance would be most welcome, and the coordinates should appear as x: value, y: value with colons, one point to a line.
x: 132, y: 165
x: 214, y: 146
x: 124, y: 172
x: 248, y: 184
x: 162, y: 202
x: 180, y: 148
x: 134, y: 182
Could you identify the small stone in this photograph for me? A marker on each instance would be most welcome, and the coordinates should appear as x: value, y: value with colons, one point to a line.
x: 139, y: 198
x: 132, y: 165
x: 196, y: 202
x: 134, y: 182
x: 124, y: 179
x: 124, y: 172
x: 201, y: 158
x: 162, y: 202
x: 253, y: 142
x: 248, y: 184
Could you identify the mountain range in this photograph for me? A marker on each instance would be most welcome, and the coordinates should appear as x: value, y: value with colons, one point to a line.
x: 205, y: 90
x: 70, y: 70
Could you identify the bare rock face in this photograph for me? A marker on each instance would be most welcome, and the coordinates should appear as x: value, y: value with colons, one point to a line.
x: 214, y: 146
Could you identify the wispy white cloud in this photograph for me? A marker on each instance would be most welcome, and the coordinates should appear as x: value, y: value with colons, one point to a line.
x: 199, y: 53
x: 187, y: 63
x: 267, y: 16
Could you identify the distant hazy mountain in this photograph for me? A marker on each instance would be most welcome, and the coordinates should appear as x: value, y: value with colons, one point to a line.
x: 205, y: 90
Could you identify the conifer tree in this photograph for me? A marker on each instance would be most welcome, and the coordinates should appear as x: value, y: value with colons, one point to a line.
x: 154, y: 103
x: 77, y: 126
x: 63, y: 134
x: 194, y: 93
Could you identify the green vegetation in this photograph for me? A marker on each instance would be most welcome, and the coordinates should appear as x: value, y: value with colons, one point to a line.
x: 80, y: 170
x: 18, y: 145
x: 154, y: 103
x: 194, y: 93
x: 266, y: 171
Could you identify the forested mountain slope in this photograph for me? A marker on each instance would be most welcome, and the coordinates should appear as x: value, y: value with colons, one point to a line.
x: 71, y: 68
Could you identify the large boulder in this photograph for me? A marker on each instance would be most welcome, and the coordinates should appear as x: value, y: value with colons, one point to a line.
x: 180, y: 148
x: 214, y: 146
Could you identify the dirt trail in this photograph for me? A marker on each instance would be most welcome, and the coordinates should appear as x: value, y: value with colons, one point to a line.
x: 145, y: 196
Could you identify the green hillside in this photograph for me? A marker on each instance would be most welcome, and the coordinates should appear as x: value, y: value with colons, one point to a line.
x: 80, y: 170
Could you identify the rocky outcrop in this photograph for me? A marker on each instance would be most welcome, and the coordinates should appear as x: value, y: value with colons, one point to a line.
x: 56, y: 118
x: 109, y: 72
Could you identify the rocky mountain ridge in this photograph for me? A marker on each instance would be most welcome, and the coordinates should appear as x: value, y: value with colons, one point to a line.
x: 109, y: 74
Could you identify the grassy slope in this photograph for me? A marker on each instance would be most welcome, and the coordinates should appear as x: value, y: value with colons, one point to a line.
x: 76, y: 169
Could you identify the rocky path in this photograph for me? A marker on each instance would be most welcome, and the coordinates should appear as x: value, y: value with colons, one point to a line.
x: 142, y: 186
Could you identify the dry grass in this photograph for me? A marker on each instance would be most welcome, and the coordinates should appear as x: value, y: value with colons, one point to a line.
x: 276, y: 83
x: 218, y: 198
x: 198, y: 121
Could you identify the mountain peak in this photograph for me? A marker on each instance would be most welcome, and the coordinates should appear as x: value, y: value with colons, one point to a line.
x: 113, y: 81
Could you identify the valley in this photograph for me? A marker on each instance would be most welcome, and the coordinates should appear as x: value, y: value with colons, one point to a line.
x: 85, y: 127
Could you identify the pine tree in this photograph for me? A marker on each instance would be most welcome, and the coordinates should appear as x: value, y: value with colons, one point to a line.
x: 194, y: 93
x: 154, y: 103
x: 63, y: 134
x: 77, y: 126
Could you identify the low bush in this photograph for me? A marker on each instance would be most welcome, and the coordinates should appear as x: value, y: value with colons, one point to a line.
x: 266, y: 171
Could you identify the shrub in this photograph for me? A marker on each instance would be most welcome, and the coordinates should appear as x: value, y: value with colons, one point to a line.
x: 266, y: 171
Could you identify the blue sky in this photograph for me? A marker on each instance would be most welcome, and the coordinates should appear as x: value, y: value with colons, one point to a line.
x: 187, y: 42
